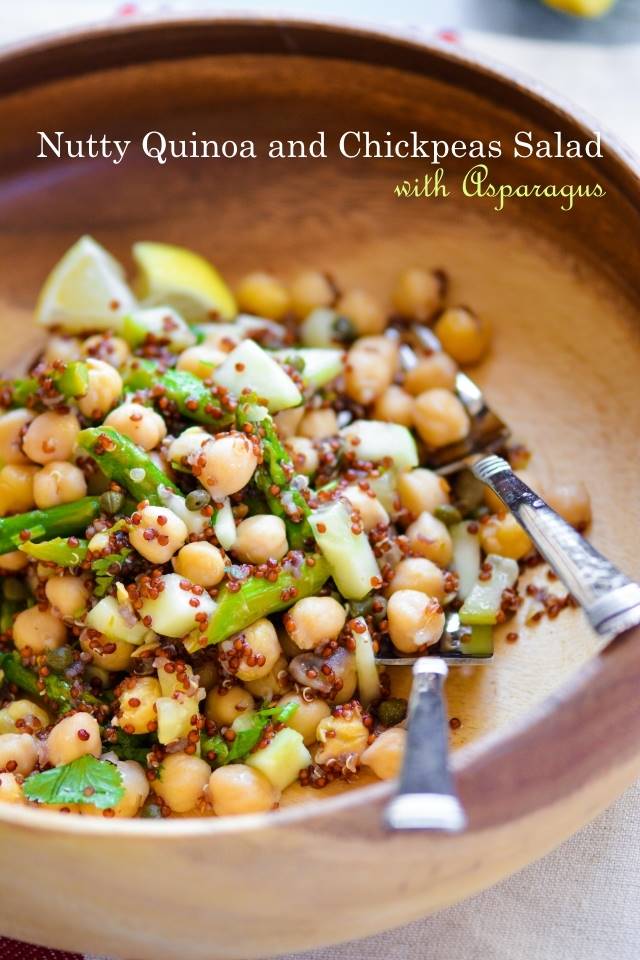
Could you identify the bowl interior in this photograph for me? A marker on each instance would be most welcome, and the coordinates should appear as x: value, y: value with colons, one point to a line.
x: 566, y: 359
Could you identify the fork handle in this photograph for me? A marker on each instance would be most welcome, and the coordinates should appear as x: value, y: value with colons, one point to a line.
x: 610, y: 600
x: 426, y: 798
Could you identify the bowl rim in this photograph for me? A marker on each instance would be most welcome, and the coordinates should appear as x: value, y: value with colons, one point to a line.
x: 498, y: 749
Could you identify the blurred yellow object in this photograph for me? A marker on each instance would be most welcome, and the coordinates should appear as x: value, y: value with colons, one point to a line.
x: 581, y: 8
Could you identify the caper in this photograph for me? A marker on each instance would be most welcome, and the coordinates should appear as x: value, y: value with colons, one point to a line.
x: 448, y: 514
x: 361, y: 608
x: 111, y: 501
x: 469, y: 492
x: 151, y: 811
x: 60, y: 659
x: 197, y: 499
x: 344, y: 330
x: 392, y: 711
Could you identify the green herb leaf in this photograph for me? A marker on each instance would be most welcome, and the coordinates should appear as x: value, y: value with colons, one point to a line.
x: 245, y: 740
x: 102, y: 570
x: 130, y: 746
x: 85, y: 780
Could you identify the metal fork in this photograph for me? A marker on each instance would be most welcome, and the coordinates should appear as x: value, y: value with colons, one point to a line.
x: 426, y: 797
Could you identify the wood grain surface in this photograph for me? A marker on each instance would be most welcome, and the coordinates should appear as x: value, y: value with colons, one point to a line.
x: 548, y: 735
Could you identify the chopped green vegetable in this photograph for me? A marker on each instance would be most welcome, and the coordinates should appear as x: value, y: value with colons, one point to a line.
x: 479, y: 643
x: 377, y: 440
x: 85, y: 780
x: 56, y: 688
x: 448, y: 514
x: 58, y: 551
x: 193, y: 398
x: 249, y: 367
x: 368, y: 679
x: 282, y: 759
x: 466, y: 557
x: 484, y: 602
x: 349, y: 555
x: 122, y: 460
x: 258, y: 597
x: 316, y: 367
x: 248, y: 730
x: 164, y: 324
x: 106, y: 569
x: 63, y: 520
x: 70, y: 381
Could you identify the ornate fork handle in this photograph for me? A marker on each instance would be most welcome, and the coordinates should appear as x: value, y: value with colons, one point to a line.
x: 610, y: 600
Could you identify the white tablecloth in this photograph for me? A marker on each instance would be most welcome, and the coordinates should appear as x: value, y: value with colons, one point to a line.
x: 581, y: 902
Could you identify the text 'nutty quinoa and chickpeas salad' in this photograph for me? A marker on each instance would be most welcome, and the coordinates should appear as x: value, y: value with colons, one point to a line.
x: 214, y: 512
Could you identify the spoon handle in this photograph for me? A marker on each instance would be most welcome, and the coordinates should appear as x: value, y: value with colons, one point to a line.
x: 610, y: 600
x: 426, y: 798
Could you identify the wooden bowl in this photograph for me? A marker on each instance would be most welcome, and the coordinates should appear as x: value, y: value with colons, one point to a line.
x: 548, y: 736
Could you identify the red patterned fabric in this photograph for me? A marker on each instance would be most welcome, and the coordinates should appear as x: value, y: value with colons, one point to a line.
x: 13, y: 950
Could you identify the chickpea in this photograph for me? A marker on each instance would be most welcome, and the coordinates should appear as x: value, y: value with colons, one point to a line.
x: 51, y: 436
x: 571, y: 501
x: 38, y: 630
x: 303, y: 454
x: 238, y: 789
x: 370, y: 368
x: 437, y: 371
x: 395, y: 405
x: 73, y: 737
x: 12, y: 425
x: 108, y: 348
x: 273, y: 684
x: 418, y: 293
x: 440, y: 418
x: 463, y: 335
x: 58, y: 482
x: 182, y: 781
x: 201, y: 563
x: 13, y: 562
x: 16, y: 488
x: 310, y: 290
x: 107, y: 653
x: 225, y: 464
x: 68, y: 595
x: 415, y: 620
x: 318, y: 424
x: 371, y: 511
x: 201, y: 360
x: 314, y: 620
x: 23, y: 716
x: 364, y: 312
x: 158, y: 533
x: 187, y: 447
x: 421, y: 490
x: 18, y: 753
x: 261, y: 294
x: 141, y: 424
x: 105, y: 386
x: 137, y: 704
x: 259, y: 651
x: 430, y: 538
x: 308, y: 715
x: 502, y: 534
x: 224, y: 704
x: 10, y: 789
x: 341, y: 736
x: 62, y: 348
x: 386, y: 753
x: 261, y: 538
x: 288, y: 421
x: 136, y: 789
x: 418, y: 573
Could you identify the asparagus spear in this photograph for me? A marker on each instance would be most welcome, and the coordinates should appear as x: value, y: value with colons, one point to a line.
x: 259, y: 597
x: 193, y: 398
x: 63, y: 520
x: 121, y: 460
x: 58, y: 551
x: 15, y: 594
x: 70, y: 380
x: 273, y: 478
x: 58, y: 689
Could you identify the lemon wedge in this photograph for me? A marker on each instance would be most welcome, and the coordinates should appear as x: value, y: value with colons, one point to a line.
x: 581, y: 8
x: 86, y: 290
x: 184, y: 280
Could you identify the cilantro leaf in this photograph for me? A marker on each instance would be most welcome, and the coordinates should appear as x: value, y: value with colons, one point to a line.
x: 85, y: 780
x: 103, y: 570
x: 128, y: 746
x: 249, y: 737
